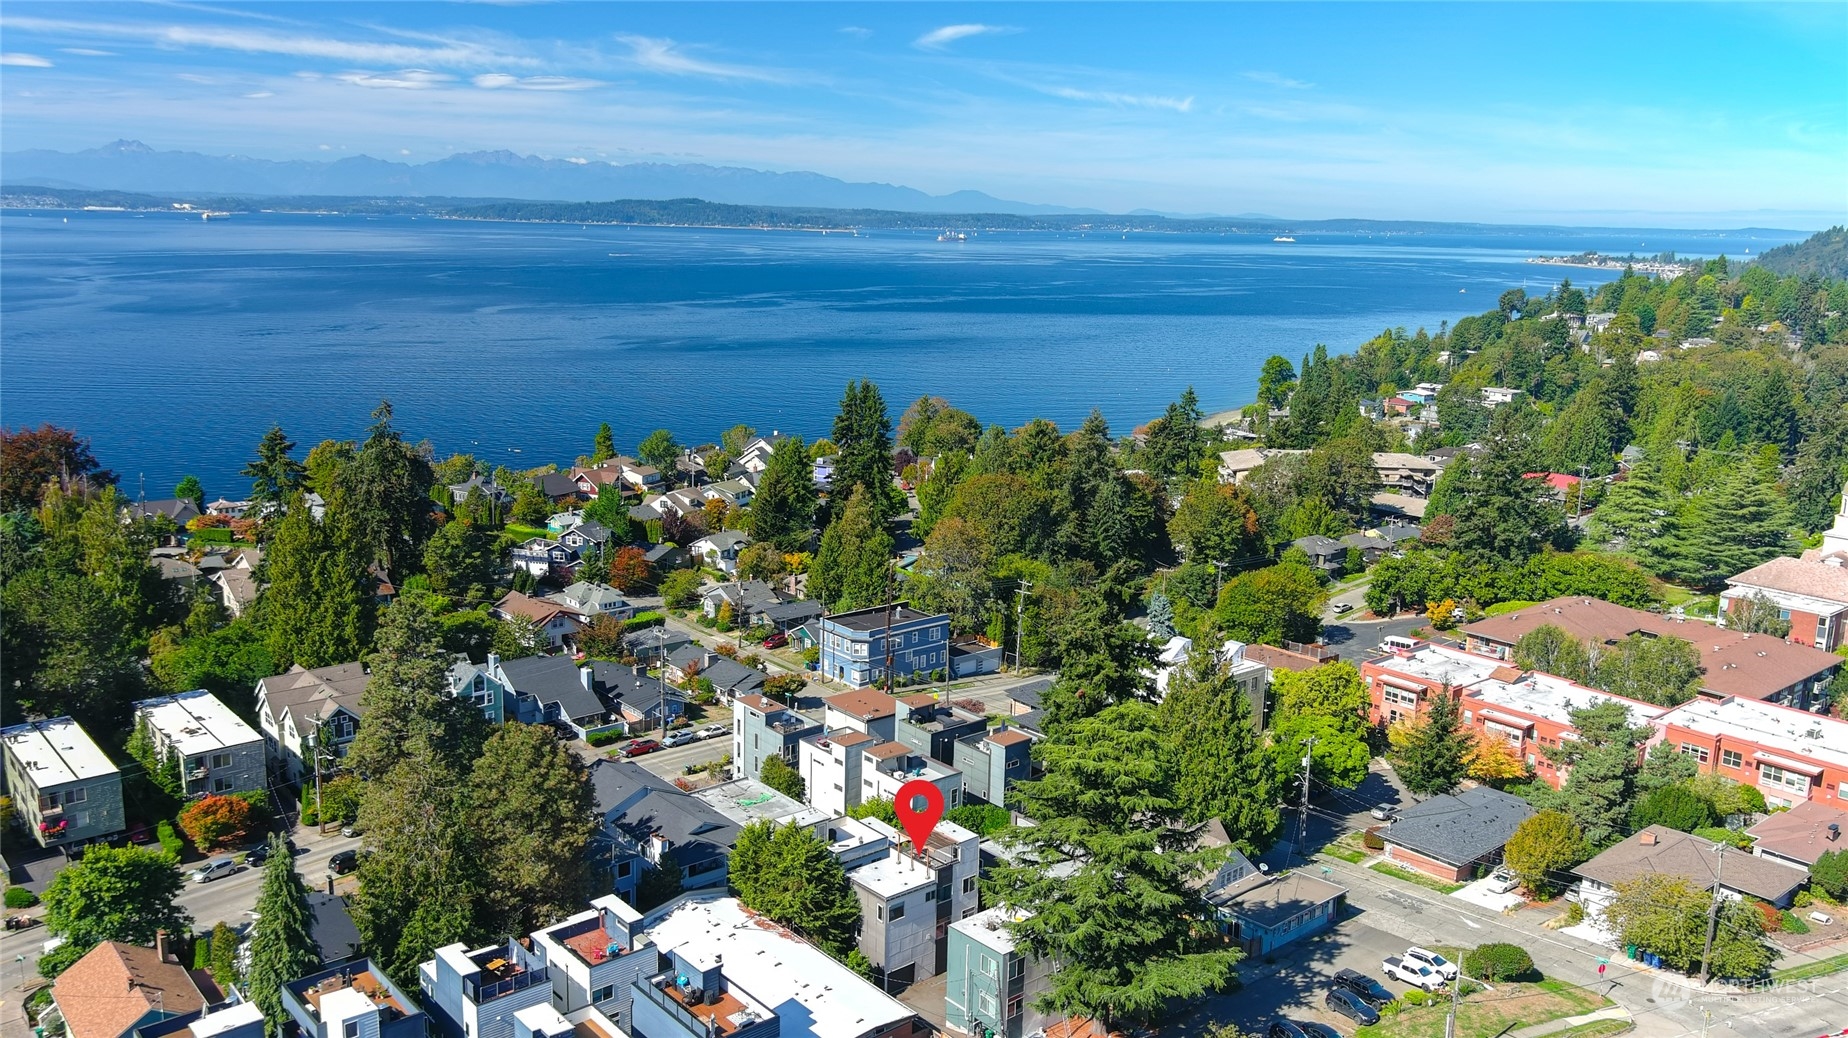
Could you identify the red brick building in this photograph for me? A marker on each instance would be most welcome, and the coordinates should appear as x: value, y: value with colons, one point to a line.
x: 1790, y: 756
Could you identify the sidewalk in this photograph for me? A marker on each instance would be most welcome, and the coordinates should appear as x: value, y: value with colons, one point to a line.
x: 1568, y: 1022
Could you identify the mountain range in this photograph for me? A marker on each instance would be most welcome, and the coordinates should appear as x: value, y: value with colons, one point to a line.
x: 133, y: 166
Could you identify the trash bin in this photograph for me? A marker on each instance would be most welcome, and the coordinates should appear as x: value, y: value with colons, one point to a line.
x: 1629, y: 951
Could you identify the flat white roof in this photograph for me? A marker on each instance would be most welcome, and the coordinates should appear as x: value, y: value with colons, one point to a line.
x: 810, y: 992
x: 196, y: 722
x: 747, y: 800
x: 54, y: 752
x: 896, y: 874
x: 989, y: 928
x: 1554, y: 698
x: 1441, y: 664
x: 1798, y: 734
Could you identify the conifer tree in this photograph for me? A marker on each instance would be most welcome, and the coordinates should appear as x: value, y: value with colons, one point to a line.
x: 384, y: 493
x: 1601, y: 784
x: 787, y: 873
x: 783, y: 509
x: 1221, y: 770
x: 534, y: 813
x: 863, y: 438
x: 282, y: 949
x: 605, y: 446
x: 1739, y: 523
x: 852, y: 569
x: 1626, y: 518
x: 275, y: 475
x: 317, y: 609
x: 1435, y: 757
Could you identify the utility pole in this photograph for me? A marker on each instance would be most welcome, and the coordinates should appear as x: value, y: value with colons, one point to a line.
x: 1020, y: 604
x: 1302, y: 816
x: 1713, y: 913
x: 1456, y: 995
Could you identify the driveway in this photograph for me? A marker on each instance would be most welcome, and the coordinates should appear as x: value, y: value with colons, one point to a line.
x: 1353, y: 638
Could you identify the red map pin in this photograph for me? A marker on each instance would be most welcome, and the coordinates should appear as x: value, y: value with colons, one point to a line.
x: 919, y: 822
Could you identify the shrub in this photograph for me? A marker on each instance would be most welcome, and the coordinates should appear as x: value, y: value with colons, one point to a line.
x: 1793, y: 923
x: 1497, y: 961
x: 20, y: 897
x: 1730, y: 837
x: 1575, y: 914
x: 1676, y: 807
x: 603, y: 738
x: 1774, y: 919
x: 1831, y: 874
x: 1416, y: 997
x: 215, y: 820
x: 170, y: 841
x: 202, y: 952
x: 1372, y: 841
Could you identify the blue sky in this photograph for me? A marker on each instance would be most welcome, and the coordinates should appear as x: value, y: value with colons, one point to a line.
x: 1584, y: 113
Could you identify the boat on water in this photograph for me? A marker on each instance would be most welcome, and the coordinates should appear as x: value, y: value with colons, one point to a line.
x: 212, y: 214
x: 1285, y: 239
x: 957, y: 236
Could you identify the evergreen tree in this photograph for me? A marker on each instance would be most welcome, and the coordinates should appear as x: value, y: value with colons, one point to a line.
x: 783, y: 509
x: 853, y: 568
x: 1664, y: 765
x: 534, y: 813
x: 406, y: 701
x: 1161, y: 617
x: 317, y: 609
x: 863, y: 438
x: 460, y: 561
x: 1600, y: 784
x: 275, y: 475
x: 282, y: 948
x: 1091, y: 502
x: 788, y: 874
x: 604, y: 448
x: 1110, y: 877
x: 385, y: 494
x: 190, y: 489
x: 1736, y: 525
x: 1176, y: 441
x: 938, y: 489
x: 1626, y: 518
x: 1220, y: 768
x: 1435, y: 757
x: 1502, y: 514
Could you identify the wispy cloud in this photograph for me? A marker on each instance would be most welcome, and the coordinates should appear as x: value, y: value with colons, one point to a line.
x: 858, y: 32
x: 1121, y: 100
x: 87, y: 52
x: 260, y: 94
x: 503, y: 81
x: 666, y: 57
x: 404, y: 79
x: 25, y: 60
x: 937, y: 39
x: 446, y: 54
x: 1273, y: 79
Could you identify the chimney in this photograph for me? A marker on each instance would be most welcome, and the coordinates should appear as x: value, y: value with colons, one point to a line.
x: 1646, y: 838
x: 160, y: 947
x: 586, y: 679
x: 493, y: 660
x: 640, y: 670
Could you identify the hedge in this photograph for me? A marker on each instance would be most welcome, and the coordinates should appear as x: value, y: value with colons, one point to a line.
x: 170, y: 841
x: 1499, y: 962
x: 603, y: 738
x: 20, y: 897
x: 643, y: 621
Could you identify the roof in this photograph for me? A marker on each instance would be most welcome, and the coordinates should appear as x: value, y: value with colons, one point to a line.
x: 239, y: 584
x: 1459, y: 828
x: 644, y: 513
x: 642, y: 803
x: 557, y: 484
x: 1276, y: 899
x: 178, y: 509
x: 1008, y: 736
x: 873, y: 618
x: 335, y: 936
x: 1810, y: 739
x: 1551, y: 698
x: 831, y: 1001
x: 896, y: 874
x: 175, y: 569
x: 724, y: 540
x: 1316, y: 544
x: 887, y: 750
x: 867, y: 704
x: 747, y: 800
x: 102, y: 994
x: 305, y: 693
x: 553, y: 679
x: 588, y: 596
x: 746, y: 593
x: 196, y: 722
x: 729, y: 674
x: 1280, y: 659
x: 799, y: 611
x: 56, y: 751
x: 1814, y: 579
x: 538, y: 610
x: 1404, y: 504
x: 1661, y: 851
x: 615, y: 681
x: 1439, y: 665
x: 1802, y: 833
x: 991, y: 928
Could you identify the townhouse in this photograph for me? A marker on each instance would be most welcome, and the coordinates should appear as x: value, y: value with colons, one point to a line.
x: 1533, y: 713
x: 763, y: 728
x: 990, y: 982
x: 910, y: 896
x: 353, y: 999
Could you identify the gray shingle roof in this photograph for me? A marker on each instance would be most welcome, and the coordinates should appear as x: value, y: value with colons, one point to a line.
x: 1460, y: 828
x: 554, y: 679
x: 557, y: 484
x: 640, y: 802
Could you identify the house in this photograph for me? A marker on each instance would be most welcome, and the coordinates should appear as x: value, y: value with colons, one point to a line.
x: 933, y: 728
x: 651, y: 645
x: 1533, y: 713
x: 553, y: 690
x: 1812, y: 595
x: 478, y: 684
x: 1411, y: 474
x: 643, y: 701
x: 592, y: 480
x: 238, y: 588
x: 588, y: 600
x: 720, y: 550
x: 595, y: 958
x: 993, y: 761
x: 1025, y: 706
x: 644, y: 514
x: 909, y: 897
x: 64, y: 788
x: 679, y: 502
x: 116, y: 989
x: 1495, y: 396
x: 1661, y: 851
x: 1249, y: 675
x: 498, y: 496
x: 557, y: 486
x: 1376, y: 544
x: 744, y: 596
x: 785, y: 616
x: 734, y: 492
x: 226, y: 506
x: 1733, y: 663
x: 176, y: 570
x: 755, y: 457
x: 844, y: 769
x: 336, y: 938
x: 1558, y: 484
x: 1325, y: 553
x: 663, y: 557
x: 1451, y: 836
x: 555, y: 623
x: 352, y: 999
x: 1262, y: 913
x: 638, y: 476
x: 1235, y: 465
x: 642, y: 817
x: 746, y: 968
x: 1800, y: 835
x: 559, y: 522
x: 970, y: 657
x: 218, y: 752
x: 301, y: 707
x: 855, y: 644
x: 178, y: 510
x: 763, y: 728
x: 544, y: 558
x: 491, y: 992
x: 868, y: 710
x: 990, y: 982
x: 1790, y: 756
x: 588, y: 538
x: 729, y: 678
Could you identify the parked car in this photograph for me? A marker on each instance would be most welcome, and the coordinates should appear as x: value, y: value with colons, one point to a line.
x: 256, y: 855
x: 1315, y: 1030
x: 640, y: 747
x: 1285, y: 1029
x: 217, y: 868
x: 1343, y: 608
x: 350, y: 829
x: 1385, y: 812
x: 776, y: 641
x: 1416, y: 974
x: 1501, y: 881
x: 680, y: 738
x: 1350, y: 1005
x: 1370, y: 991
x: 343, y: 862
x: 714, y: 731
x: 1433, y: 961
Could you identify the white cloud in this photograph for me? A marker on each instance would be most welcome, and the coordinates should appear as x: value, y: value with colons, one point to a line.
x: 88, y: 52
x: 664, y: 56
x: 404, y: 151
x: 1273, y: 79
x: 1111, y: 97
x: 937, y: 39
x: 501, y: 80
x: 194, y: 77
x: 576, y: 161
x: 859, y: 32
x: 25, y: 60
x: 442, y: 54
x: 260, y: 94
x: 404, y: 79
x: 325, y: 147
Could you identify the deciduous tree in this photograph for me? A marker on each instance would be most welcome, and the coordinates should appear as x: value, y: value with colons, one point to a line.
x: 1543, y: 849
x: 33, y: 459
x: 1550, y: 650
x: 115, y: 894
x: 1667, y: 915
x: 659, y: 449
x: 1273, y: 605
x: 1665, y: 671
x: 212, y: 822
x: 630, y: 569
x: 778, y: 775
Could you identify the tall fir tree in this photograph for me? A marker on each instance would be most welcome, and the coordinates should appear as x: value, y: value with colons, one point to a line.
x: 318, y: 608
x: 783, y: 509
x: 1738, y: 523
x: 1601, y: 784
x: 282, y: 949
x: 604, y: 447
x: 863, y: 440
x: 385, y: 493
x: 275, y: 476
x: 787, y: 873
x: 1504, y: 515
x: 1435, y: 758
x: 1627, y: 518
x: 1220, y: 768
x: 534, y: 813
x: 852, y: 569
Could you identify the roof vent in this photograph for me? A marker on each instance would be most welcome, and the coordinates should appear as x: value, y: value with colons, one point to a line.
x: 1646, y: 838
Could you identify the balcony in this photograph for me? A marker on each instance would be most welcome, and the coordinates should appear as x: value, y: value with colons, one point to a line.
x: 715, y: 1013
x: 48, y: 812
x: 500, y: 979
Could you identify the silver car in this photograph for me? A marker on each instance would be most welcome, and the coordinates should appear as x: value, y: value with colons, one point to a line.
x: 714, y: 731
x: 680, y: 738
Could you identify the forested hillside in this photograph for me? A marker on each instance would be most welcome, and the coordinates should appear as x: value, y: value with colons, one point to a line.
x: 1825, y: 254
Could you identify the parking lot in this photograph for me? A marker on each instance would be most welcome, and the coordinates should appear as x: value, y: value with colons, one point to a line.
x: 1292, y: 986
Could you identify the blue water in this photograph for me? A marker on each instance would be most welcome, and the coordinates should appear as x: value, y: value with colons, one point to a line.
x: 174, y: 343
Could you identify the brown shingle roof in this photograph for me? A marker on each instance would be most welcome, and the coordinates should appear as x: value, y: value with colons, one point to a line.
x: 1802, y: 832
x: 538, y: 610
x: 867, y: 704
x: 1661, y: 851
x: 1280, y: 659
x: 1815, y: 579
x: 106, y: 991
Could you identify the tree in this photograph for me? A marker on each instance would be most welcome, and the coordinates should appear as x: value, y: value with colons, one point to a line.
x: 1737, y: 524
x: 630, y: 569
x: 1668, y: 916
x: 212, y: 822
x: 33, y: 459
x: 1758, y: 615
x: 275, y: 476
x: 660, y: 882
x: 604, y: 447
x: 406, y: 701
x: 1273, y: 605
x: 317, y: 609
x: 1435, y: 757
x: 1676, y: 807
x: 853, y: 568
x: 602, y: 639
x: 282, y: 947
x: 1665, y: 671
x: 1333, y: 690
x: 1176, y: 441
x: 1664, y: 765
x: 1543, y: 849
x: 881, y: 808
x: 533, y: 813
x: 1493, y: 760
x: 385, y: 494
x: 788, y: 874
x: 1630, y: 514
x: 680, y: 589
x: 1831, y: 873
x: 190, y: 489
x: 1215, y: 523
x: 863, y: 438
x: 659, y: 449
x: 1220, y: 768
x: 1502, y: 513
x: 460, y: 560
x: 1161, y: 617
x: 1600, y: 785
x: 1550, y: 650
x: 121, y: 894
x: 1338, y: 757
x: 778, y: 775
x: 1110, y: 879
x: 1275, y: 381
x: 783, y: 509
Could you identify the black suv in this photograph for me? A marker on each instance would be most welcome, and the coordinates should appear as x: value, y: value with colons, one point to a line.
x: 1371, y: 991
x: 1285, y: 1029
x: 343, y: 862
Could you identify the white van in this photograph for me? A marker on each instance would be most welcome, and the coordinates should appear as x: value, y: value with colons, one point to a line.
x: 1401, y: 643
x: 211, y: 870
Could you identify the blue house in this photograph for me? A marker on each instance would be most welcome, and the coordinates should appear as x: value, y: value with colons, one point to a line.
x: 854, y: 644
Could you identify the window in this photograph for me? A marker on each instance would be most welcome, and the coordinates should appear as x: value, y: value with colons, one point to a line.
x: 1822, y: 631
x: 988, y: 964
x: 1699, y: 753
x: 221, y: 760
x: 77, y: 796
x: 1771, y: 775
x: 1016, y: 968
x: 969, y: 884
x: 878, y: 911
x: 930, y: 895
x: 967, y: 912
x: 1013, y: 1006
x: 1400, y: 697
x: 985, y: 1003
x: 625, y: 870
x: 898, y: 910
x: 222, y: 785
x: 604, y: 993
x: 1732, y: 758
x: 351, y: 1029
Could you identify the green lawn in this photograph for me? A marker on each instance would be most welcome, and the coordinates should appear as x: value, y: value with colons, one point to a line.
x: 1417, y: 877
x: 1506, y: 1008
x: 1811, y: 970
x: 1347, y: 854
x: 524, y: 532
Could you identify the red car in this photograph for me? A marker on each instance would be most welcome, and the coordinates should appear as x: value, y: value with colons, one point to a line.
x: 776, y: 641
x: 639, y: 747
